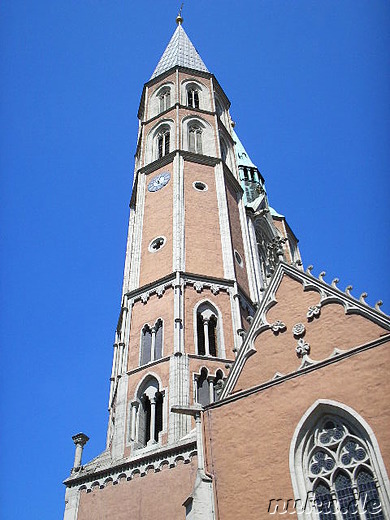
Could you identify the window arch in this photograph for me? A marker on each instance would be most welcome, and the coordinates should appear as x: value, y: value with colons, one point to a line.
x: 163, y: 141
x: 147, y: 413
x: 198, y: 136
x: 161, y: 99
x: 195, y: 138
x: 146, y: 345
x: 164, y: 97
x: 224, y: 150
x: 218, y: 108
x: 193, y: 96
x: 207, y: 387
x: 202, y: 387
x: 208, y: 331
x: 159, y: 140
x: 335, y: 458
x: 151, y: 342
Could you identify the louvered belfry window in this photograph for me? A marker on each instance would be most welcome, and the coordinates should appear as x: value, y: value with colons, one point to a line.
x: 195, y: 139
x: 165, y: 99
x: 163, y: 141
x: 193, y: 98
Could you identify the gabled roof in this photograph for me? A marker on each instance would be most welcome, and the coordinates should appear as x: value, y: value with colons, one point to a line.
x: 180, y: 52
x: 327, y: 294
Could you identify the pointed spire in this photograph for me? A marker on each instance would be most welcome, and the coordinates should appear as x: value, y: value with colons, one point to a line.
x: 180, y: 52
x: 242, y: 156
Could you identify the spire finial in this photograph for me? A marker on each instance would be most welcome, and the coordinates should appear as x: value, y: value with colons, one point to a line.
x: 179, y: 18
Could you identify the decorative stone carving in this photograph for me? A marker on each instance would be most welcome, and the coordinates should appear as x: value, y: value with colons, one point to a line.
x: 160, y: 291
x: 278, y: 326
x: 214, y: 289
x: 302, y: 348
x: 363, y: 297
x: 145, y: 297
x: 298, y: 330
x: 218, y: 387
x: 198, y: 286
x: 313, y: 311
x: 335, y: 281
x: 275, y: 251
x: 141, y: 467
x: 378, y: 305
x: 348, y: 290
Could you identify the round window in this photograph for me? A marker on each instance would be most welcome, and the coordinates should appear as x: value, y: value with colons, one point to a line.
x: 238, y: 258
x: 200, y: 186
x: 156, y: 244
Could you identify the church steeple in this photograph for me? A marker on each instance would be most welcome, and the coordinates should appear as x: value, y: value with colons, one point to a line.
x: 180, y: 52
x: 191, y: 282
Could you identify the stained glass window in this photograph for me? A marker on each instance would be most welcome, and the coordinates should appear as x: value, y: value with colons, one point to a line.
x: 340, y: 473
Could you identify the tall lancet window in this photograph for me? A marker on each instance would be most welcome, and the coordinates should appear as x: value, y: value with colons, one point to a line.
x: 146, y: 345
x: 193, y: 97
x: 195, y: 138
x: 224, y: 151
x: 151, y: 342
x: 147, y: 414
x: 203, y: 390
x: 207, y: 330
x: 163, y: 143
x: 218, y: 108
x: 337, y: 464
x: 165, y: 99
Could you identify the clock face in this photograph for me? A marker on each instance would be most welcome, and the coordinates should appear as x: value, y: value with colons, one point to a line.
x: 159, y: 181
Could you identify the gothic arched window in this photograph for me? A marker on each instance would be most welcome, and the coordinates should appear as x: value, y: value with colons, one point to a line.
x: 208, y: 387
x: 147, y: 413
x: 146, y: 345
x: 165, y: 99
x: 218, y: 108
x: 193, y: 97
x: 218, y: 385
x: 163, y: 143
x: 151, y: 342
x: 224, y: 151
x: 195, y: 138
x: 207, y: 330
x: 203, y: 390
x: 338, y: 465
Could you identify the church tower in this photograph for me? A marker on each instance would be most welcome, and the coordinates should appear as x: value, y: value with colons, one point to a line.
x: 202, y: 245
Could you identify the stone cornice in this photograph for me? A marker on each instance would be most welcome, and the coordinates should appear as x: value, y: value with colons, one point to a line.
x: 187, y: 70
x: 188, y: 278
x: 148, y: 365
x: 199, y: 283
x: 167, y: 456
x: 180, y: 106
x: 210, y: 358
x: 189, y: 156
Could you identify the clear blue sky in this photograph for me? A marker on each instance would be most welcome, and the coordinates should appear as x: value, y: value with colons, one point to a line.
x: 309, y: 85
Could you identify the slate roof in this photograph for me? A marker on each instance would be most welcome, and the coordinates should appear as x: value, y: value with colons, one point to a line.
x: 180, y: 52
